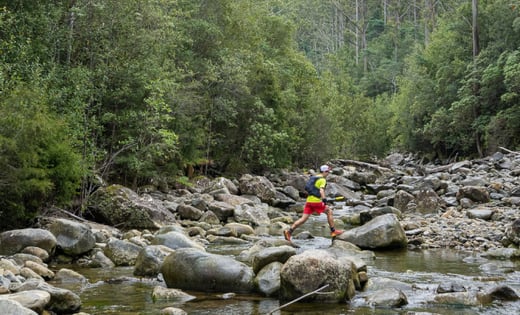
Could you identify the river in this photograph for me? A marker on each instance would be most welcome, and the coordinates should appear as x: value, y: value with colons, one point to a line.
x: 117, y: 291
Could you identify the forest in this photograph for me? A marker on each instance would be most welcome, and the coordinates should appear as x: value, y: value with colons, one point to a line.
x: 155, y: 92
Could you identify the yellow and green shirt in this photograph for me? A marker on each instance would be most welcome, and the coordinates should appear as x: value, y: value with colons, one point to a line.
x: 320, y: 183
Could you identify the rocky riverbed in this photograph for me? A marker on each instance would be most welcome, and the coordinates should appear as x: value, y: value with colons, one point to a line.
x: 395, y: 203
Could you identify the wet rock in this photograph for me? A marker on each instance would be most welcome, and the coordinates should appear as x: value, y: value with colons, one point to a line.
x: 188, y: 212
x: 62, y: 301
x: 267, y: 281
x: 460, y: 298
x: 312, y: 269
x: 240, y: 229
x: 272, y: 254
x: 172, y: 311
x: 150, y: 259
x: 367, y: 215
x: 13, y: 307
x: 193, y: 269
x: 388, y: 297
x: 173, y: 295
x: 258, y: 186
x: 100, y: 260
x: 501, y: 292
x: 73, y: 238
x: 175, y: 240
x: 120, y: 206
x: 40, y: 269
x: 210, y: 218
x: 35, y: 300
x: 122, y: 252
x: 14, y: 241
x: 384, y: 231
x: 222, y: 210
x: 450, y: 287
x: 255, y: 215
x: 65, y: 275
x: 38, y: 252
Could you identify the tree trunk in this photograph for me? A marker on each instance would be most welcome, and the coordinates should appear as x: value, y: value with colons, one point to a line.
x: 476, y: 51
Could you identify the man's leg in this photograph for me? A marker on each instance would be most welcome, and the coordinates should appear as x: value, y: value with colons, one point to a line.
x: 288, y: 233
x: 330, y: 219
x: 300, y: 221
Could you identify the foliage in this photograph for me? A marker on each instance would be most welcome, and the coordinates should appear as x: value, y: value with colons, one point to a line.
x: 151, y: 91
x: 39, y: 166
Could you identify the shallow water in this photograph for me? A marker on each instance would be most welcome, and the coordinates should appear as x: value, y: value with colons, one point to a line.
x: 116, y: 291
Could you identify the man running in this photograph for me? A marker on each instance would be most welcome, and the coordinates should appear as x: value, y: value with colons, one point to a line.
x: 315, y: 204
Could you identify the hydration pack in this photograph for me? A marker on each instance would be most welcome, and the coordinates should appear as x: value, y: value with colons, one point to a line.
x: 310, y: 186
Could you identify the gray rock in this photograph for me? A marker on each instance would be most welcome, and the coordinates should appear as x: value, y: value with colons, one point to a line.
x: 255, y: 215
x: 14, y: 241
x: 122, y: 252
x: 475, y: 193
x: 387, y: 297
x: 65, y: 275
x: 308, y: 271
x: 383, y: 231
x: 174, y: 295
x: 120, y: 206
x: 10, y: 307
x: 193, y: 269
x: 150, y: 259
x: 272, y: 254
x: 73, y: 238
x: 267, y: 281
x: 176, y: 240
x: 258, y: 186
x: 188, y: 212
x: 480, y: 213
x: 62, y: 301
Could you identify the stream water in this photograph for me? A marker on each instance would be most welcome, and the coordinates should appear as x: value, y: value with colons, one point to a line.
x: 117, y: 291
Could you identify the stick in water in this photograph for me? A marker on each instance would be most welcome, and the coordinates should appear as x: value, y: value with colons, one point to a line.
x: 301, y: 297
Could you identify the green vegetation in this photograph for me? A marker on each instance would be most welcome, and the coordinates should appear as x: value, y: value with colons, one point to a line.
x: 150, y: 91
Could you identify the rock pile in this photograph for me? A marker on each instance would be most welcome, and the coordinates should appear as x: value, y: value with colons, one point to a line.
x: 469, y: 205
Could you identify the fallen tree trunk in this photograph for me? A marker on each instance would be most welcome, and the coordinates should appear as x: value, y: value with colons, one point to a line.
x: 362, y: 164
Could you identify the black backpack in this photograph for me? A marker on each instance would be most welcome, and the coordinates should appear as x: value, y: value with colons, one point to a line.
x: 310, y: 186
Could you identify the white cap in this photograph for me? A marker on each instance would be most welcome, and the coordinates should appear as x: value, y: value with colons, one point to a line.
x: 324, y: 168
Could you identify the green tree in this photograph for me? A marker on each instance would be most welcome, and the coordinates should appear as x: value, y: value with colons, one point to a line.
x: 39, y: 165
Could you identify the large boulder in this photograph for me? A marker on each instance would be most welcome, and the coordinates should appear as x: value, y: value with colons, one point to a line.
x: 383, y: 231
x: 311, y: 270
x: 193, y: 269
x: 73, y: 238
x: 255, y: 215
x: 14, y: 241
x: 257, y: 186
x: 120, y: 206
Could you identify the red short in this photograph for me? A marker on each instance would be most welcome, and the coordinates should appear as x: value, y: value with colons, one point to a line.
x: 311, y: 207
